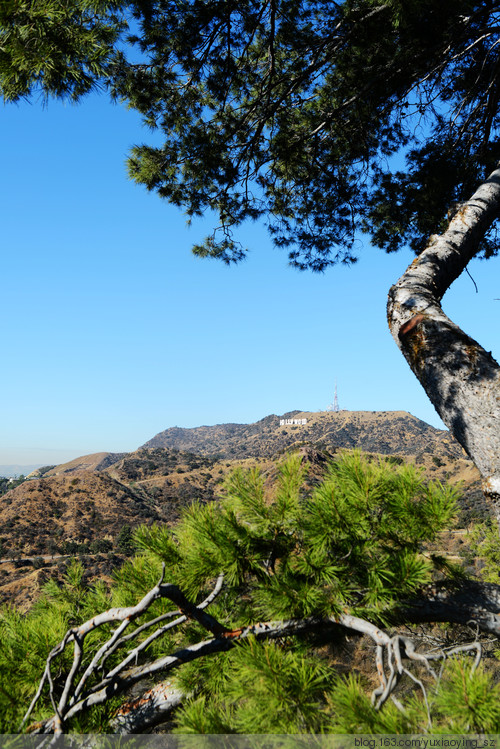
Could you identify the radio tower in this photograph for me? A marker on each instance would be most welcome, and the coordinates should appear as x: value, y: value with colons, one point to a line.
x: 335, y: 399
x: 335, y: 405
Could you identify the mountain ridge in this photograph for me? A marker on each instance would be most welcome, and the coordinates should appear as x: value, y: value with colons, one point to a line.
x: 385, y: 432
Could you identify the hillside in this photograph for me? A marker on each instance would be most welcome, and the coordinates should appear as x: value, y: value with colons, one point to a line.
x: 94, y: 500
x: 85, y: 505
x: 40, y: 516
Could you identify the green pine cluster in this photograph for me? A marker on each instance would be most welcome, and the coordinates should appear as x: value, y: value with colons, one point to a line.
x: 352, y: 543
x: 60, y: 48
x: 484, y: 543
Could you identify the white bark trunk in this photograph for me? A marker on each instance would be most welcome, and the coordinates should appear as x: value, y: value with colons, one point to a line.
x: 461, y: 379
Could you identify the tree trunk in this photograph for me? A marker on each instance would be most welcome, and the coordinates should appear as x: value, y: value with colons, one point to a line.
x: 461, y: 379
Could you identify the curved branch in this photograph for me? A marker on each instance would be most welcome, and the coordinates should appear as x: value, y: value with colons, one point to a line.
x: 113, y: 683
x: 461, y: 379
x: 470, y: 601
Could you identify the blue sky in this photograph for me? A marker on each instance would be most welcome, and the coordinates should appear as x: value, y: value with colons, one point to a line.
x: 112, y: 331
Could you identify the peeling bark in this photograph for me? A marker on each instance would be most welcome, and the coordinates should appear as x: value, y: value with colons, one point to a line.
x: 461, y: 379
x: 148, y: 710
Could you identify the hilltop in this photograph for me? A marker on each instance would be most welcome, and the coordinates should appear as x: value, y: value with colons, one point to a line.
x: 384, y: 432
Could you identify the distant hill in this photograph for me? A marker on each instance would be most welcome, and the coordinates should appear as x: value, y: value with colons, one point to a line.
x: 41, y: 515
x: 93, y: 497
x: 385, y: 432
x: 93, y: 462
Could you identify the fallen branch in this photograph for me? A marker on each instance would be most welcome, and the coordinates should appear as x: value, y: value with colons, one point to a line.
x: 472, y: 601
x: 149, y: 709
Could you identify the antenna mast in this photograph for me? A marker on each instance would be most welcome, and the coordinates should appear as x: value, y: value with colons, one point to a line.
x: 335, y: 399
x: 335, y: 405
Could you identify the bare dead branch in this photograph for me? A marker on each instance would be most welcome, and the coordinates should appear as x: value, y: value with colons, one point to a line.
x: 125, y: 616
x: 472, y: 601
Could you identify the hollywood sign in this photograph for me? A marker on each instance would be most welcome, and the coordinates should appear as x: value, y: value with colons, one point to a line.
x: 287, y: 422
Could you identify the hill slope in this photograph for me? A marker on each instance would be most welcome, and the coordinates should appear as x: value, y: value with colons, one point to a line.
x: 41, y: 515
x: 93, y: 462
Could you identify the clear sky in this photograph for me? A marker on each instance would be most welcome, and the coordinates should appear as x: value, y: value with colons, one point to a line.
x: 111, y: 331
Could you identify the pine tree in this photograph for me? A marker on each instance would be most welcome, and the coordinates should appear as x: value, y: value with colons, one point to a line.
x: 57, y: 48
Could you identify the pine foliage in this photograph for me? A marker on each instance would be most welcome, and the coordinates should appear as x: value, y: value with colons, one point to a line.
x: 485, y: 544
x: 286, y: 110
x: 352, y: 543
x: 60, y: 48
